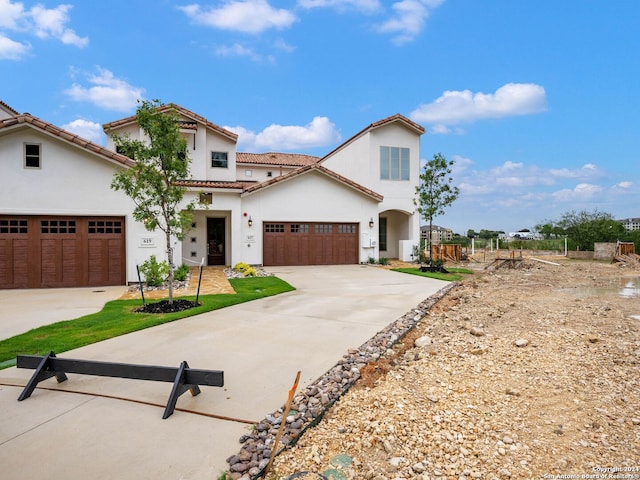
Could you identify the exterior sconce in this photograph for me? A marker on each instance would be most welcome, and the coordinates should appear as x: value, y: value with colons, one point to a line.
x: 371, y: 223
x: 250, y: 222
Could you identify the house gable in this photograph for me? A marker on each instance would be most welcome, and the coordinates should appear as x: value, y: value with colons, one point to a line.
x: 315, y: 168
x: 211, y: 148
x: 6, y: 111
x: 359, y: 159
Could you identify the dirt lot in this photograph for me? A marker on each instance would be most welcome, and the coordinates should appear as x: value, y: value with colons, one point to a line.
x: 530, y: 372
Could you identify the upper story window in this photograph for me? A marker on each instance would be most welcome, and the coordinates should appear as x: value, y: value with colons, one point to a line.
x: 394, y: 163
x: 32, y: 155
x: 219, y: 160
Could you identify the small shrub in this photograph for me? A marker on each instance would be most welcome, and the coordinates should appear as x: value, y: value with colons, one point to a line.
x: 372, y: 260
x: 241, y: 266
x: 181, y: 273
x: 246, y: 269
x: 154, y: 272
x: 383, y: 261
x: 437, y: 262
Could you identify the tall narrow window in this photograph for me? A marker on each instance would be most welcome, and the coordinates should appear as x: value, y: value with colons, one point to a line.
x: 32, y: 155
x: 394, y: 163
x: 382, y: 234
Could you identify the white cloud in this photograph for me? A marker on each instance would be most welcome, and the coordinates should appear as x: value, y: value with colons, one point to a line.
x: 409, y: 19
x: 587, y: 170
x: 454, y: 107
x: 460, y: 164
x: 235, y: 50
x: 582, y: 191
x: 40, y: 21
x: 365, y: 6
x: 107, y: 92
x: 11, y: 50
x: 247, y: 16
x: 624, y: 185
x: 10, y: 14
x: 50, y: 22
x: 84, y: 128
x: 320, y: 132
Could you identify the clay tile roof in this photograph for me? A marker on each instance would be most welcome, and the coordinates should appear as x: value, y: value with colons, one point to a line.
x: 238, y: 185
x: 27, y: 119
x: 274, y: 158
x: 318, y: 168
x: 419, y: 129
x: 9, y: 108
x: 181, y: 110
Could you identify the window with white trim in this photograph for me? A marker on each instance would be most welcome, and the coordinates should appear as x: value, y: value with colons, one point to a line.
x: 32, y: 155
x: 219, y: 160
x: 394, y: 163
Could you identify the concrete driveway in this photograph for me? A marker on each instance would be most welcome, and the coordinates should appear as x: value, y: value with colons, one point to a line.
x: 107, y: 428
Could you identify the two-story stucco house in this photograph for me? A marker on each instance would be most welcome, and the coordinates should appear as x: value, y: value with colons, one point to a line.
x: 62, y: 225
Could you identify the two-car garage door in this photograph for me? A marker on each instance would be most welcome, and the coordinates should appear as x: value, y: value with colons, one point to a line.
x: 46, y: 251
x: 292, y: 243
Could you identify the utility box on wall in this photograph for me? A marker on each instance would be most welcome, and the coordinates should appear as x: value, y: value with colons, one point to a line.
x: 366, y: 241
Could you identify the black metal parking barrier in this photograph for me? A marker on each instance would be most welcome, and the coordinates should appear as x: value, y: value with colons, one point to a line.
x: 183, y: 377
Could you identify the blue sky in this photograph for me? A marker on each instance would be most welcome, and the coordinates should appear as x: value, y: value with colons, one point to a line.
x: 537, y: 102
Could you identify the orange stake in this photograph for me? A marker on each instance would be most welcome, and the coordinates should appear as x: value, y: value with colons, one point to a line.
x: 287, y: 407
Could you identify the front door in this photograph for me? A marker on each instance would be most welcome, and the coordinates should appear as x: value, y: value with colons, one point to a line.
x: 215, y: 241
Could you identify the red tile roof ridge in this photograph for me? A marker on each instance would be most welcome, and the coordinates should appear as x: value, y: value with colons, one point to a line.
x: 380, y: 123
x: 187, y: 113
x: 65, y: 135
x: 276, y: 158
x: 11, y: 110
x: 321, y: 169
x: 237, y: 185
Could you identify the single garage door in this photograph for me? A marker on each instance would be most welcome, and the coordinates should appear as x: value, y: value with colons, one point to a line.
x: 310, y: 243
x: 48, y: 251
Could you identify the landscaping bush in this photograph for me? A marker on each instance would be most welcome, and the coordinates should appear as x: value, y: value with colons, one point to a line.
x: 154, y: 272
x: 246, y: 269
x: 181, y: 273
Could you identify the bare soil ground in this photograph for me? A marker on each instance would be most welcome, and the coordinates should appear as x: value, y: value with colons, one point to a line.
x: 531, y: 372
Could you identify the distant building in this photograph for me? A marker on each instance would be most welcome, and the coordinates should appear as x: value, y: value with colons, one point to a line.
x: 630, y: 224
x: 438, y: 234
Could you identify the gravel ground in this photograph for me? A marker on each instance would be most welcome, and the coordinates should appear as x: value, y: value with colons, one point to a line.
x: 530, y: 372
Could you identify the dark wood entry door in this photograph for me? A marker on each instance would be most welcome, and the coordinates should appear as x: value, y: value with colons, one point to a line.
x: 215, y: 241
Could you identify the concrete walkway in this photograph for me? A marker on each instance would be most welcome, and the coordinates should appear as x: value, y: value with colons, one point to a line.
x: 259, y: 345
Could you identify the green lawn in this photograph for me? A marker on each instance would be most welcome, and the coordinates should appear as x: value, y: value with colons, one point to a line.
x: 118, y: 318
x: 454, y: 274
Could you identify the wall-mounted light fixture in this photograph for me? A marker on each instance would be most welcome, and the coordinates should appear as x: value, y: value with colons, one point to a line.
x: 371, y: 222
x: 249, y: 222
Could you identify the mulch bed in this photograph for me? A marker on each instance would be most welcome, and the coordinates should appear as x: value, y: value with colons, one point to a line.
x: 165, y: 307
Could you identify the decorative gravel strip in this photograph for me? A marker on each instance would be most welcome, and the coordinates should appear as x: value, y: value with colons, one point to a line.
x: 310, y: 405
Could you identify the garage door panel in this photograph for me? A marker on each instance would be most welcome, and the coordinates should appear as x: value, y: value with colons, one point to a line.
x: 48, y: 251
x: 310, y: 244
x: 59, y: 262
x: 14, y: 271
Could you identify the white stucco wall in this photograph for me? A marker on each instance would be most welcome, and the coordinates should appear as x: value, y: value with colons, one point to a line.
x: 360, y: 161
x: 311, y: 197
x: 71, y: 181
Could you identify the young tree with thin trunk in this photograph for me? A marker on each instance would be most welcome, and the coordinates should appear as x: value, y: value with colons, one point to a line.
x: 161, y: 160
x: 435, y: 191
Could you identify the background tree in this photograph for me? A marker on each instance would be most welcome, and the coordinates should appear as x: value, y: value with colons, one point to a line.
x: 586, y: 228
x: 161, y: 160
x: 435, y: 192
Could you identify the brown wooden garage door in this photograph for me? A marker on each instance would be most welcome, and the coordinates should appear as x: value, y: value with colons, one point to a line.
x: 310, y: 243
x: 47, y: 251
